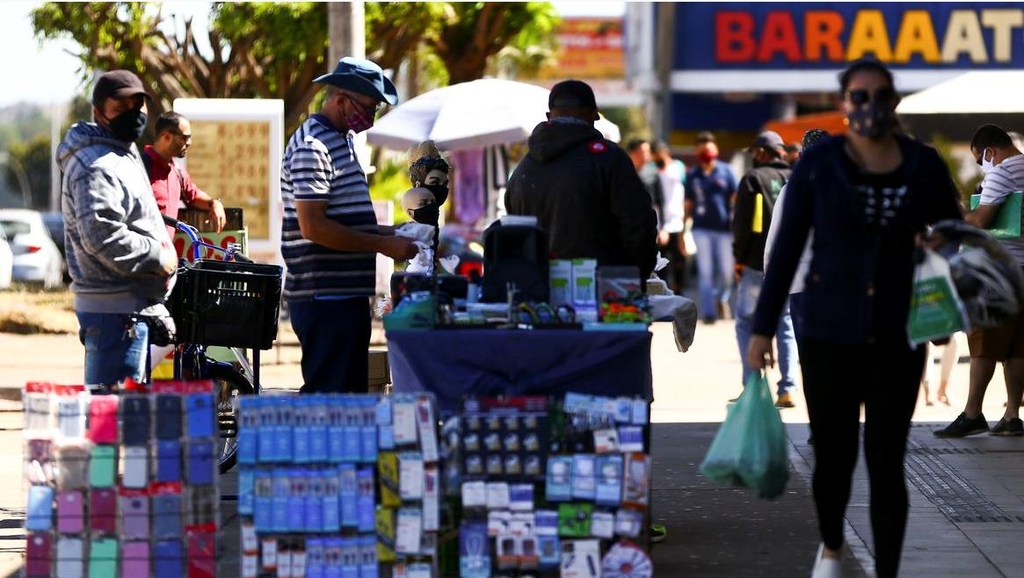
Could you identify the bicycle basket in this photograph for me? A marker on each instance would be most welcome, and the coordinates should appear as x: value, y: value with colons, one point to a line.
x: 228, y: 304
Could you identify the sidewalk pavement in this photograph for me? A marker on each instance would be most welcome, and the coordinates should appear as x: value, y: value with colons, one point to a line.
x: 967, y: 495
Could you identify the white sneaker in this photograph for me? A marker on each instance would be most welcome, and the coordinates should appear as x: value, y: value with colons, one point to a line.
x: 826, y: 567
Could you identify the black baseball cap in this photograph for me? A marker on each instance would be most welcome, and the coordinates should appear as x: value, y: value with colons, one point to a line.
x: 571, y: 94
x: 117, y: 84
x: 768, y: 139
x: 705, y: 136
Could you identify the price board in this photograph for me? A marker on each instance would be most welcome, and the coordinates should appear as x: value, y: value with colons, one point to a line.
x: 236, y: 151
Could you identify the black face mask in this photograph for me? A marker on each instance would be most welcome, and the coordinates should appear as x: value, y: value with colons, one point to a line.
x: 873, y: 120
x: 427, y: 214
x: 129, y: 125
x: 440, y: 192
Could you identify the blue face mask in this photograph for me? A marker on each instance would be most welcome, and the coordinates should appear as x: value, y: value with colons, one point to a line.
x: 129, y: 125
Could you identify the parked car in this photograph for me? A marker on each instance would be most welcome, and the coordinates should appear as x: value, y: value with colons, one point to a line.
x: 6, y: 261
x: 36, y: 257
x: 55, y: 225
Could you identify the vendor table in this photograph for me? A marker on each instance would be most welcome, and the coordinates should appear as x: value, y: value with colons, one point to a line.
x: 453, y: 363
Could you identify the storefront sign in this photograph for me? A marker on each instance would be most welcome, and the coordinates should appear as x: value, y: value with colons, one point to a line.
x: 588, y: 48
x: 924, y: 43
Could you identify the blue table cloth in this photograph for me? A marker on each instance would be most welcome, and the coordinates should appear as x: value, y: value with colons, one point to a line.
x: 453, y: 363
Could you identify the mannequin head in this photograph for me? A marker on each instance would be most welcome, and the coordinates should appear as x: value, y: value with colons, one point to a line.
x: 421, y: 206
x: 427, y: 166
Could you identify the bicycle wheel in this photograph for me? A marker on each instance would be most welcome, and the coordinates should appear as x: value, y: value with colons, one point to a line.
x: 229, y: 384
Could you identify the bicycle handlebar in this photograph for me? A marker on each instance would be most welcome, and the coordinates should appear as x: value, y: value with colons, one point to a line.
x: 192, y: 233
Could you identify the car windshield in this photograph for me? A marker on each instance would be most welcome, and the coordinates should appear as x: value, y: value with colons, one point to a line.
x: 12, y: 228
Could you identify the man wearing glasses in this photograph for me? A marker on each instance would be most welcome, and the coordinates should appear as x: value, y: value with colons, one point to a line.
x: 171, y: 184
x: 329, y: 233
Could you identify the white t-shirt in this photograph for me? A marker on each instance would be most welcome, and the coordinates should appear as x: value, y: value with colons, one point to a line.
x: 672, y: 188
x: 1005, y: 178
x: 773, y: 230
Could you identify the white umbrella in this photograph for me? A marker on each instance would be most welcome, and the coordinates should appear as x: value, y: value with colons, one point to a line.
x: 467, y: 115
x: 977, y: 92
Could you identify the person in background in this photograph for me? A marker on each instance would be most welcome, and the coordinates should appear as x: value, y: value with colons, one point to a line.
x: 1003, y: 165
x: 755, y: 200
x: 710, y: 189
x: 119, y: 255
x: 583, y: 188
x: 172, y: 184
x: 329, y: 233
x: 672, y: 173
x: 869, y: 195
x: 792, y: 152
x: 643, y: 161
x: 796, y: 290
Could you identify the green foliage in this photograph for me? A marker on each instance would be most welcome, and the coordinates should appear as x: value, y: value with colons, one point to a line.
x: 275, y: 49
x: 473, y: 32
x: 632, y: 122
x: 389, y: 184
x: 32, y: 157
x: 955, y: 166
x: 22, y: 122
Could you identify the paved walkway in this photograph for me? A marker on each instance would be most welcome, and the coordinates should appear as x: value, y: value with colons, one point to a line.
x: 967, y: 496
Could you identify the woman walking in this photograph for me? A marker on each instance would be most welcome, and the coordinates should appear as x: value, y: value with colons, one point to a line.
x: 867, y: 195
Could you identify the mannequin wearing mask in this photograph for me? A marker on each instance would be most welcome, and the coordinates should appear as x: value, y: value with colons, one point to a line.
x: 422, y: 207
x: 428, y: 169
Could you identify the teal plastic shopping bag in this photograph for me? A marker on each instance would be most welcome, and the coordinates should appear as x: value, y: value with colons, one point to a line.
x: 750, y: 448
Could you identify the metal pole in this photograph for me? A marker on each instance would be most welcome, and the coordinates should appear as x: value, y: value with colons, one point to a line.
x: 19, y: 173
x: 665, y: 39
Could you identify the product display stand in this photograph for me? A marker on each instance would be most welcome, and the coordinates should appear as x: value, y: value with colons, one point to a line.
x: 339, y: 486
x: 554, y: 489
x: 121, y: 485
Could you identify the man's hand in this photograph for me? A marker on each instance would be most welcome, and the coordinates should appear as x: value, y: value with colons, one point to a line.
x: 168, y: 261
x: 737, y: 271
x: 216, y: 214
x: 760, y: 353
x: 398, y: 248
x: 663, y: 238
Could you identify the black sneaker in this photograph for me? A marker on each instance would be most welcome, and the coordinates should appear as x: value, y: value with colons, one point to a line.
x: 1008, y: 427
x: 963, y: 426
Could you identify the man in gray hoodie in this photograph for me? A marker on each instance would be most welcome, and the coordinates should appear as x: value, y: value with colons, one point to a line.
x: 119, y: 255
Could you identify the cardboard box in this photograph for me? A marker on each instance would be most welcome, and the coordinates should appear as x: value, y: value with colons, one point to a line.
x: 560, y: 279
x: 380, y: 371
x: 584, y: 283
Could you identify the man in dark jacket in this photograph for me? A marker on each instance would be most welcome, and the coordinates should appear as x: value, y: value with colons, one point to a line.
x: 755, y: 200
x: 583, y: 188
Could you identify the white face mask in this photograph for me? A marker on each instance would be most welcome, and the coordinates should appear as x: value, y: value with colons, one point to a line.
x: 986, y: 164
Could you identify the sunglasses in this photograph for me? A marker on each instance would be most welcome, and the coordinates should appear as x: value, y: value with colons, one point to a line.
x: 375, y: 107
x: 187, y: 137
x: 863, y: 96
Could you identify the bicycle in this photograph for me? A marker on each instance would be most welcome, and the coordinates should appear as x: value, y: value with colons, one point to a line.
x: 230, y: 302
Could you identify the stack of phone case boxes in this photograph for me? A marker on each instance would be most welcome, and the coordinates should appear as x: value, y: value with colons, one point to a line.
x: 121, y: 485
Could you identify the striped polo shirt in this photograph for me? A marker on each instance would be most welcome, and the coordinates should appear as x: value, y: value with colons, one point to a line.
x: 1005, y: 178
x: 320, y: 165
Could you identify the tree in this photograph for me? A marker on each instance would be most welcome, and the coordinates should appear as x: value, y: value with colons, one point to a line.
x: 473, y: 32
x: 259, y: 50
x: 275, y: 50
x: 32, y: 157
